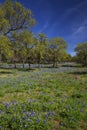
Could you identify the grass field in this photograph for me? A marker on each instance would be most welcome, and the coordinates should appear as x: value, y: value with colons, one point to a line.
x: 43, y: 99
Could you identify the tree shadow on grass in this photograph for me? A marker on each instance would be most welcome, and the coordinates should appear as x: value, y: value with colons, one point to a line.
x: 79, y: 72
x: 8, y: 70
x: 25, y: 69
x: 76, y: 66
x: 5, y: 72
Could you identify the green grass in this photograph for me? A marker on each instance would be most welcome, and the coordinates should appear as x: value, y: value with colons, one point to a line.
x: 43, y: 99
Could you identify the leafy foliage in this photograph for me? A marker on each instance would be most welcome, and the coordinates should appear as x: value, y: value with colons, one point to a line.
x: 5, y: 48
x: 57, y: 49
x: 81, y: 50
x: 14, y: 17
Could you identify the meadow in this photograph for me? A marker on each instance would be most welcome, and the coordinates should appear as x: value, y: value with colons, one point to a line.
x: 43, y: 99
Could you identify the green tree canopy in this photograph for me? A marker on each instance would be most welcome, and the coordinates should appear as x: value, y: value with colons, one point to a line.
x: 27, y: 41
x: 41, y: 43
x: 81, y: 50
x: 57, y: 48
x: 14, y: 16
x: 5, y: 48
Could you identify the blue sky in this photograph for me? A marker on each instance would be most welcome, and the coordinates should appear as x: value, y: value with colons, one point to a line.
x: 60, y: 18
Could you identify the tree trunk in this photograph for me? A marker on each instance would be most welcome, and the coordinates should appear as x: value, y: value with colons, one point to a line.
x: 0, y: 58
x: 15, y: 65
x: 23, y: 64
x: 85, y: 60
x: 29, y: 66
x: 39, y: 59
x: 54, y: 62
x: 38, y: 65
x: 54, y: 65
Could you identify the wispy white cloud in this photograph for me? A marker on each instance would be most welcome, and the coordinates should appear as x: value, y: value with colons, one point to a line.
x: 83, y: 2
x: 44, y: 27
x: 73, y: 10
x: 68, y: 12
x: 81, y: 28
x: 78, y: 35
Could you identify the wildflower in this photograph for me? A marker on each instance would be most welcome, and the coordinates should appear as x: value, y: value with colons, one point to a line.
x: 32, y: 114
x: 29, y: 120
x: 61, y: 123
x: 23, y: 111
x: 14, y: 119
x: 2, y: 112
x: 81, y: 110
x: 49, y: 114
x: 29, y: 113
x: 83, y: 104
x: 38, y: 120
x: 44, y: 121
x: 7, y: 105
x: 20, y: 122
x: 24, y: 118
x: 25, y: 126
x: 14, y: 102
x: 0, y: 127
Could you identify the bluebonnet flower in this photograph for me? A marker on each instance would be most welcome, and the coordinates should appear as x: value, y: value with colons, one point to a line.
x: 23, y: 111
x: 81, y: 110
x: 63, y: 101
x: 14, y: 103
x: 61, y: 123
x: 74, y: 120
x: 78, y: 102
x: 0, y: 127
x: 14, y: 119
x: 32, y: 114
x: 83, y: 104
x: 68, y: 107
x: 20, y: 122
x: 75, y: 108
x: 50, y: 113
x: 50, y: 103
x: 28, y: 120
x: 31, y: 101
x: 44, y: 121
x: 29, y: 113
x: 24, y: 118
x: 38, y: 120
x: 2, y: 112
x: 25, y: 126
x: 7, y: 105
